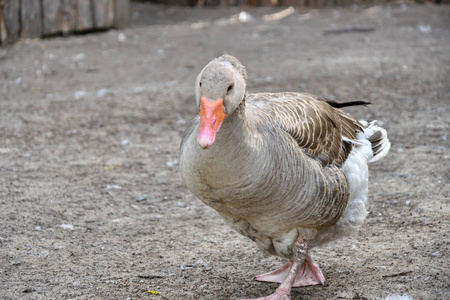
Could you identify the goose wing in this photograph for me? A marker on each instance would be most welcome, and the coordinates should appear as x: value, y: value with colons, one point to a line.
x: 324, y: 132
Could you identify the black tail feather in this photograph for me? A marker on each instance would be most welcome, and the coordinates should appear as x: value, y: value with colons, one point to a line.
x: 336, y: 104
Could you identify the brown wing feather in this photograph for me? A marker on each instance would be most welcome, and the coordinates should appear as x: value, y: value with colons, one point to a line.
x: 317, y: 127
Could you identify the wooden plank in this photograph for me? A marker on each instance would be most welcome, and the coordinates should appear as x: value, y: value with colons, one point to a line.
x: 83, y: 16
x: 2, y: 26
x: 68, y: 16
x: 297, y: 4
x: 10, y: 21
x: 51, y: 11
x: 30, y: 13
x: 344, y: 3
x: 122, y: 13
x: 103, y: 14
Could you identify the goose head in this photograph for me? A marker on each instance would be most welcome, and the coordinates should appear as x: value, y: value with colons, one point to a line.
x: 220, y: 89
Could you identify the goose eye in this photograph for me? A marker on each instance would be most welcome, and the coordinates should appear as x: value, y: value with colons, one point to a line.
x: 230, y: 88
x: 200, y: 83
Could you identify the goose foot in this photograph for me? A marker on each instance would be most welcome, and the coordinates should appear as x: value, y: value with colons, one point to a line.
x: 308, y: 273
x: 300, y: 267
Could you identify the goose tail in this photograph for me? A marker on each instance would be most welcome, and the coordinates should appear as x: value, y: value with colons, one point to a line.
x: 378, y: 138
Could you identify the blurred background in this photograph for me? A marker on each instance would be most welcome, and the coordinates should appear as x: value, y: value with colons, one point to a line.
x: 95, y: 96
x: 34, y: 19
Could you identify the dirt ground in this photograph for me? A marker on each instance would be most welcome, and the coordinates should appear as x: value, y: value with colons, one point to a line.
x: 92, y: 205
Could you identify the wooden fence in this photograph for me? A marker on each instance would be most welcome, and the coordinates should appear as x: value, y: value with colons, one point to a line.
x: 40, y: 18
x: 295, y: 3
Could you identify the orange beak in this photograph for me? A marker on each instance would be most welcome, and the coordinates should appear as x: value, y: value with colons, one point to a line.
x: 211, y: 117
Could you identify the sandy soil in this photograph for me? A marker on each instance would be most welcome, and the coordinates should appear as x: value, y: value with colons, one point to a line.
x: 92, y: 205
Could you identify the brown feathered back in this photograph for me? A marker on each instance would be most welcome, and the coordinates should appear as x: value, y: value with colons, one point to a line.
x: 317, y: 127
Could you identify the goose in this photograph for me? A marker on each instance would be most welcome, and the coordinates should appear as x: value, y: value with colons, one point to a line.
x: 287, y: 170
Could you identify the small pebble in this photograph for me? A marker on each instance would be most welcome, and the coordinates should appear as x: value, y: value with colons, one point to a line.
x: 397, y: 297
x: 245, y: 17
x: 143, y: 198
x: 67, y: 226
x: 121, y: 37
x: 102, y: 92
x: 139, y: 90
x: 79, y: 95
x: 424, y: 28
x: 172, y: 163
x: 79, y: 56
x: 29, y: 290
x: 437, y: 253
x: 113, y: 186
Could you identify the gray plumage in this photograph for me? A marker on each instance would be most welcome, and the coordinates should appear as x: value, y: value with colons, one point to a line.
x: 283, y: 165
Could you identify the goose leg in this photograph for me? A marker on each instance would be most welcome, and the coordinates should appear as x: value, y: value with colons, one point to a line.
x: 291, y: 269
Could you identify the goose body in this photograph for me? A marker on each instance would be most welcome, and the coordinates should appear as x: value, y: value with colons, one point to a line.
x: 287, y: 170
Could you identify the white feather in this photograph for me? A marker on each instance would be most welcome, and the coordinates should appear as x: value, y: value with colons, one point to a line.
x: 357, y: 172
